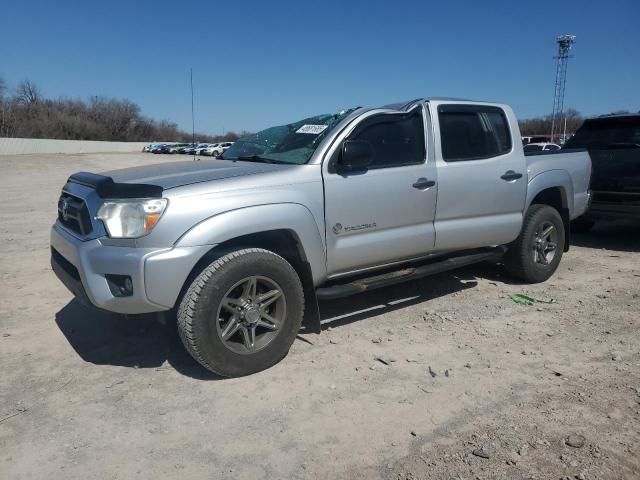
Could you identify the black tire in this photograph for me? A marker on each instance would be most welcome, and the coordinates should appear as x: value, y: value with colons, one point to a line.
x: 520, y: 260
x: 582, y: 225
x: 197, y: 312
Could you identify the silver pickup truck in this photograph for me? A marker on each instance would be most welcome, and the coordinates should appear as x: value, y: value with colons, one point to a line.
x: 241, y: 248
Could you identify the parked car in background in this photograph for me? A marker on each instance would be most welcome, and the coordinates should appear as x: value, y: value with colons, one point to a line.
x: 188, y: 150
x: 184, y: 147
x: 220, y: 149
x: 161, y: 148
x: 613, y: 142
x: 153, y: 146
x: 536, y: 139
x: 208, y: 152
x: 196, y: 150
x: 541, y: 147
x: 201, y: 148
x: 178, y: 147
x: 329, y: 206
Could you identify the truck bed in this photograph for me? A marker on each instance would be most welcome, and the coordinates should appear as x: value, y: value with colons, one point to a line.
x: 576, y: 163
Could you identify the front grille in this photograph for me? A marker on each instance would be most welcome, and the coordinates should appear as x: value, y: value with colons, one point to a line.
x: 74, y: 214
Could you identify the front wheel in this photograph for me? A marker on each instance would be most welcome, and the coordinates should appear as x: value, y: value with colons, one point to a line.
x: 536, y: 253
x: 242, y: 313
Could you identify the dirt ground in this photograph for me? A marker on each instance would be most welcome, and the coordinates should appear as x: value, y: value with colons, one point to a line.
x: 85, y: 394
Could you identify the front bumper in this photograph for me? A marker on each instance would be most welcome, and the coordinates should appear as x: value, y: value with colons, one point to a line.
x: 157, y: 274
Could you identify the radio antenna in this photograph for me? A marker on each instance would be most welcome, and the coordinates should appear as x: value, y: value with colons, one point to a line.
x: 193, y: 118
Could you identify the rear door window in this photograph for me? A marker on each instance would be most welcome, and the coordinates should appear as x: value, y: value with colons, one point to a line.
x: 470, y: 132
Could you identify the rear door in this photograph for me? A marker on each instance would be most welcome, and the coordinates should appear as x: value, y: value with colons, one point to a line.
x: 384, y: 214
x: 482, y: 176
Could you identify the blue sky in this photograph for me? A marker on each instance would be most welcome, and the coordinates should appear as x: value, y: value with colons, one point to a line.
x: 262, y: 63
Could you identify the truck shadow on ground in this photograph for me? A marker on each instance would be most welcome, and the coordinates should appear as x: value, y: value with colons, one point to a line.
x: 367, y: 305
x: 142, y: 342
x: 137, y: 341
x: 621, y: 235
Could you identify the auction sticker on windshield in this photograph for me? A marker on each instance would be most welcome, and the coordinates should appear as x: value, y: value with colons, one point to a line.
x: 312, y: 129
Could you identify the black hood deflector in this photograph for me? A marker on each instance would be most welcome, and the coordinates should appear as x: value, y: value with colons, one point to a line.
x: 107, y: 188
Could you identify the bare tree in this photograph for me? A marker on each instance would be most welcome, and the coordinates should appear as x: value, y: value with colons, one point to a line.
x: 542, y: 125
x: 28, y: 93
x: 28, y: 114
x: 4, y: 109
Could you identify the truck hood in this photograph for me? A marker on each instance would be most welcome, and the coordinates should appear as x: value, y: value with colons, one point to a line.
x: 177, y: 174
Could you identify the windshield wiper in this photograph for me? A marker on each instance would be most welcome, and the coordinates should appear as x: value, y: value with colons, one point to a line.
x: 258, y: 158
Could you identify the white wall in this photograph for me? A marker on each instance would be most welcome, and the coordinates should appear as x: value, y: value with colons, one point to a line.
x: 17, y: 146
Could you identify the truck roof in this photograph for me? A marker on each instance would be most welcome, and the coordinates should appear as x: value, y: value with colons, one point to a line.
x: 405, y: 105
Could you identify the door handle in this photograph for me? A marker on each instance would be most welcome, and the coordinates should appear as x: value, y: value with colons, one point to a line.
x: 510, y: 175
x: 423, y: 183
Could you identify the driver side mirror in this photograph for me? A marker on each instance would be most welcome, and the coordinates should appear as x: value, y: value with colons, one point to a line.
x: 356, y: 155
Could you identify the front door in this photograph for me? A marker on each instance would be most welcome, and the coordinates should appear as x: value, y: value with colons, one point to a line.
x: 385, y: 213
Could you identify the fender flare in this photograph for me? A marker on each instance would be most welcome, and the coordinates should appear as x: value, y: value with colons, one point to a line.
x: 555, y: 179
x: 262, y: 218
x: 551, y: 179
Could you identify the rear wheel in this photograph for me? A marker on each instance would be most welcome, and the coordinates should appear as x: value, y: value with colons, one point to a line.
x: 536, y: 253
x: 242, y: 313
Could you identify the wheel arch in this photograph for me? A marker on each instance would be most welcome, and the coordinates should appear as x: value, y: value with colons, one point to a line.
x: 554, y: 188
x: 288, y: 230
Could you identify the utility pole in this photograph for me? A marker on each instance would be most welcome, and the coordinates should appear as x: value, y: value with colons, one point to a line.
x: 193, y: 118
x: 565, y: 42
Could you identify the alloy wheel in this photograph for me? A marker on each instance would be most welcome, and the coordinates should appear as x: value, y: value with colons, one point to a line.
x: 251, y: 314
x: 545, y: 243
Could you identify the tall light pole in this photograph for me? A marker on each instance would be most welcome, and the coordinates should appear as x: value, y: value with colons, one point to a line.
x: 565, y: 42
x: 193, y: 118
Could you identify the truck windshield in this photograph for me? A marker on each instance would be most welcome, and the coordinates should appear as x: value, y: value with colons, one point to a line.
x: 614, y: 132
x: 292, y: 143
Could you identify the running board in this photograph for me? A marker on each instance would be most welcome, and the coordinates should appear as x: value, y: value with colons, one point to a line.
x: 409, y: 273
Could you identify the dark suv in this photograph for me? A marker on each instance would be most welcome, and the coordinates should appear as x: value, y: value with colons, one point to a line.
x: 613, y: 142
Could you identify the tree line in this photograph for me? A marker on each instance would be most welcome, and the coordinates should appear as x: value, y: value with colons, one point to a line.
x: 26, y: 113
x: 542, y: 125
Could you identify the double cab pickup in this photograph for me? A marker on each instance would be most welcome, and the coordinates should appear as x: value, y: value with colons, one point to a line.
x: 240, y: 248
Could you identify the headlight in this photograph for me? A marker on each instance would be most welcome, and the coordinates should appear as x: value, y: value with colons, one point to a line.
x: 131, y: 218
